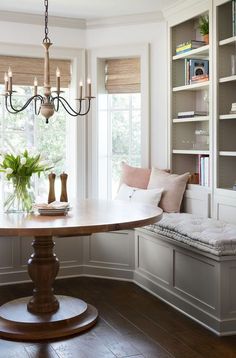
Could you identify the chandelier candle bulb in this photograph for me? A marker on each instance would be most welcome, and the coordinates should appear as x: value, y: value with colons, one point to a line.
x: 80, y: 90
x: 89, y: 87
x: 58, y: 74
x: 6, y: 82
x: 35, y: 86
x: 9, y: 79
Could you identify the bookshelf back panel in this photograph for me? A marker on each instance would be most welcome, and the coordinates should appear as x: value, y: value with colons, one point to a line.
x: 227, y: 172
x: 182, y: 163
x: 225, y: 21
x: 178, y: 73
x: 225, y: 61
x: 227, y: 135
x: 184, y: 135
x: 227, y: 96
x: 189, y: 101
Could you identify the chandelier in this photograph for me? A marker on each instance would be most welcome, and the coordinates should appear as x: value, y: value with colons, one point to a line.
x: 50, y: 102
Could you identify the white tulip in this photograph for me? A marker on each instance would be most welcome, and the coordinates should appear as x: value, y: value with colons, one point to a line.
x: 44, y: 163
x: 22, y: 161
x: 9, y: 171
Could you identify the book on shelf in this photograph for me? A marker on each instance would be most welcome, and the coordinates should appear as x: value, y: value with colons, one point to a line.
x: 188, y: 46
x: 204, y: 170
x: 199, y: 78
x: 192, y: 114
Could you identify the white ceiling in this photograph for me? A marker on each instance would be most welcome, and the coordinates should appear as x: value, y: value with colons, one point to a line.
x: 86, y: 9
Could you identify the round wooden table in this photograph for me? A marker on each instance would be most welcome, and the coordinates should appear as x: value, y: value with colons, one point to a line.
x: 44, y: 315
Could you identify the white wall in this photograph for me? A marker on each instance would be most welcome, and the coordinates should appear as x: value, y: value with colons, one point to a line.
x: 156, y: 35
x: 28, y: 34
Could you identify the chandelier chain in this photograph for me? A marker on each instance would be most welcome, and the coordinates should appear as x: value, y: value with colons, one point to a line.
x: 46, y: 38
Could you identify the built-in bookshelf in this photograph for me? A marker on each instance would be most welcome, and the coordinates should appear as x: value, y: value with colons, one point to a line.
x: 190, y: 111
x: 226, y: 94
x: 211, y: 135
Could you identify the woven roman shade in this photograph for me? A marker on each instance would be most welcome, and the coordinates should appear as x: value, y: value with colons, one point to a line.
x: 122, y: 75
x: 25, y: 69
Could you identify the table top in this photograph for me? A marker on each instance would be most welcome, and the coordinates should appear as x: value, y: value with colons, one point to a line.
x: 87, y: 217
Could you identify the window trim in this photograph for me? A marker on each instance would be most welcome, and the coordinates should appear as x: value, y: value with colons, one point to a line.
x: 97, y: 58
x: 76, y: 139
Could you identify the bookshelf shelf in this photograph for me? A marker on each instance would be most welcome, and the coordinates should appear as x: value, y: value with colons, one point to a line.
x: 201, y: 52
x: 227, y: 116
x: 227, y: 79
x: 227, y: 154
x: 191, y: 151
x: 191, y: 119
x: 228, y: 41
x: 193, y: 87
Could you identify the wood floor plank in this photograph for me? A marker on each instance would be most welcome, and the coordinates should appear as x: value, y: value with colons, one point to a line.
x: 10, y: 349
x: 41, y: 350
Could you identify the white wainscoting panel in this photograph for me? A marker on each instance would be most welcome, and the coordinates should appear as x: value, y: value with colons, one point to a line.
x: 110, y: 254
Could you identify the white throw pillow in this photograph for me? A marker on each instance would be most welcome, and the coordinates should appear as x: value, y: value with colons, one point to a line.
x: 145, y: 196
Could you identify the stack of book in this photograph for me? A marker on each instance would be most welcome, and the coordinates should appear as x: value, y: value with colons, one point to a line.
x: 233, y: 108
x: 190, y: 114
x: 196, y: 70
x: 204, y: 171
x: 188, y: 46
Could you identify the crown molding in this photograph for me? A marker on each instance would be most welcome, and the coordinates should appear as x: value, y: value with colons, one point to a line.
x: 182, y: 7
x: 36, y: 19
x: 125, y: 20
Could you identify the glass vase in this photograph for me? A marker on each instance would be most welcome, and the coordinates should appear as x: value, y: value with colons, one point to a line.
x: 20, y: 199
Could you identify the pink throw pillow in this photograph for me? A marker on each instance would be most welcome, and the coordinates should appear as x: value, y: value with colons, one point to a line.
x: 174, y: 187
x: 135, y: 177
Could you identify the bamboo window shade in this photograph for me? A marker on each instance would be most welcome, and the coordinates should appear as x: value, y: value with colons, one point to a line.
x: 25, y: 69
x: 122, y: 75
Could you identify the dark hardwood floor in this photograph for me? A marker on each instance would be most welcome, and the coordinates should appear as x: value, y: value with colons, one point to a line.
x: 132, y: 323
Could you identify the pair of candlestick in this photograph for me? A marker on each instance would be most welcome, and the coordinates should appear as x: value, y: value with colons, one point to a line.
x: 51, y: 194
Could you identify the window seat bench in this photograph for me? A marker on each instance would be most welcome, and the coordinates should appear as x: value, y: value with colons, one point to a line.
x: 190, y: 262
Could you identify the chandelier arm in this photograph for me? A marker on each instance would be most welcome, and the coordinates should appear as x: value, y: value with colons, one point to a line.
x: 57, y: 103
x: 73, y: 112
x: 15, y: 110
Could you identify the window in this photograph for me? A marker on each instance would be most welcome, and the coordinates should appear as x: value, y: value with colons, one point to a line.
x: 120, y: 138
x: 25, y: 130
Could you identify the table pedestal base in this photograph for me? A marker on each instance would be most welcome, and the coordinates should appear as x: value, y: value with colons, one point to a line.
x: 73, y: 316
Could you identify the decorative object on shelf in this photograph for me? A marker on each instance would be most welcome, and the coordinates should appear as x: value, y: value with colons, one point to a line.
x: 233, y: 64
x: 202, y: 139
x: 47, y: 104
x: 194, y: 178
x: 19, y: 169
x: 63, y: 196
x: 233, y: 108
x: 203, y: 25
x: 198, y: 70
x: 233, y: 17
x: 51, y: 193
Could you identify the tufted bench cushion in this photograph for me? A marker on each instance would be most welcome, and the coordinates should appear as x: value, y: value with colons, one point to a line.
x: 209, y: 235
